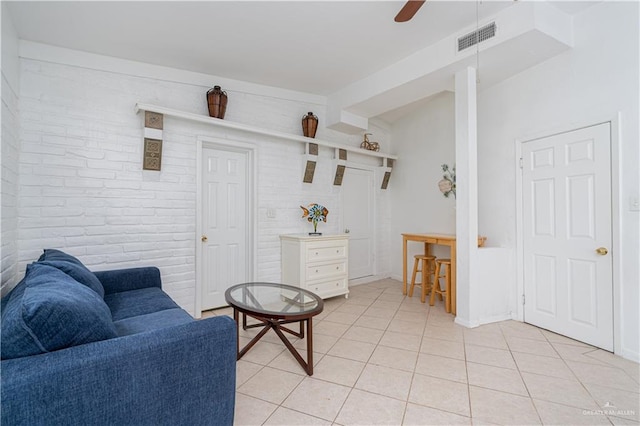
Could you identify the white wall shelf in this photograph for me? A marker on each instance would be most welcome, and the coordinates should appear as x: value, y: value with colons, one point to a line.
x: 252, y: 129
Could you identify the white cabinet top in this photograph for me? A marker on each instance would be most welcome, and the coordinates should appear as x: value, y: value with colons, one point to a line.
x: 307, y: 237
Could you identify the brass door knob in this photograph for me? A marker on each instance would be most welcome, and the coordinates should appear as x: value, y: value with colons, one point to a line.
x: 602, y: 251
x: 204, y: 239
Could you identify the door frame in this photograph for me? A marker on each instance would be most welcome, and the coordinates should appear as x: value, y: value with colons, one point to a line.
x: 374, y: 222
x: 616, y: 211
x: 251, y: 152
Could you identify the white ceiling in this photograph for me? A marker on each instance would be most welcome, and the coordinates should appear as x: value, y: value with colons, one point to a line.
x: 317, y: 47
x: 310, y: 46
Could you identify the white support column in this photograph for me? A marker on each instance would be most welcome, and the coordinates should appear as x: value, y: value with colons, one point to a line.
x: 466, y: 196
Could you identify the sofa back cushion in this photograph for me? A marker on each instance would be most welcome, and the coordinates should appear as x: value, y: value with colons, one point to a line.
x: 73, y: 267
x: 48, y: 310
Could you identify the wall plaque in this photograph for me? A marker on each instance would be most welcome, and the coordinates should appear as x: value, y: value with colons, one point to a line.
x: 309, y: 170
x: 385, y: 180
x: 339, y: 175
x: 153, y: 120
x: 152, y: 154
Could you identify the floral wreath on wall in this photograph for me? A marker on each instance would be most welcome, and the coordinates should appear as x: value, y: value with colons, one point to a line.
x: 447, y: 184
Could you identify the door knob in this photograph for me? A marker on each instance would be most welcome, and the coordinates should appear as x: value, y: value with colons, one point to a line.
x: 204, y: 239
x: 602, y: 251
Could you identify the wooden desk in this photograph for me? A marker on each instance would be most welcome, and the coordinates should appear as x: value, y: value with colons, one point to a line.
x: 429, y: 240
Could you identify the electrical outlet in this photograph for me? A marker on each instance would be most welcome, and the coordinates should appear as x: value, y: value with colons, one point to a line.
x: 271, y: 213
x: 634, y: 204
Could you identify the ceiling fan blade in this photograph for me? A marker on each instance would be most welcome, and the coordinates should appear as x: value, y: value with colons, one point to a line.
x: 408, y: 10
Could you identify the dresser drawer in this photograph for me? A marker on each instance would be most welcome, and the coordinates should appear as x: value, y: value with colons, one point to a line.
x: 319, y: 272
x: 330, y: 288
x: 327, y: 250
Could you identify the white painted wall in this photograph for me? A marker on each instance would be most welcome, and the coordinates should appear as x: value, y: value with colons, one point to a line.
x: 495, y: 270
x: 9, y: 154
x: 82, y: 188
x: 423, y: 141
x: 591, y: 82
x: 383, y: 215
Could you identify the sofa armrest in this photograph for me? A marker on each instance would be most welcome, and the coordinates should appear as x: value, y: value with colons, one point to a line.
x: 181, y: 375
x: 118, y: 280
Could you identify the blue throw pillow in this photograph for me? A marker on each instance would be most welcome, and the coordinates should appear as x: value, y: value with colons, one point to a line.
x: 73, y: 267
x: 49, y: 311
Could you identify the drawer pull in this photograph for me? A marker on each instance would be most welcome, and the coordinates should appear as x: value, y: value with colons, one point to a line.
x: 337, y: 267
x: 316, y: 253
x: 316, y: 271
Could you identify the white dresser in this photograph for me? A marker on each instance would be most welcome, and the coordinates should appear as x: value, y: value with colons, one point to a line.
x: 319, y: 264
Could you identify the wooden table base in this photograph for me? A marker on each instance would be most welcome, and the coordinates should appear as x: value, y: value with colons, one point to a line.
x: 278, y: 327
x: 430, y: 240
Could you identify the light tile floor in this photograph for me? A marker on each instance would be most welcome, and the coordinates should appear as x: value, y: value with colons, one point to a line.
x: 385, y: 359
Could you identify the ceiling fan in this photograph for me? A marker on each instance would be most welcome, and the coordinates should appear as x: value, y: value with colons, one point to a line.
x: 408, y: 10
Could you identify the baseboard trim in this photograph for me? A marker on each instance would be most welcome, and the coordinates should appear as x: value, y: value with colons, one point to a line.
x: 369, y: 279
x: 630, y: 355
x: 465, y: 323
x: 482, y: 321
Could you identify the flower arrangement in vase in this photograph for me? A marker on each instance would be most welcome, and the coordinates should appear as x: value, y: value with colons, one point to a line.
x: 447, y: 184
x: 314, y: 214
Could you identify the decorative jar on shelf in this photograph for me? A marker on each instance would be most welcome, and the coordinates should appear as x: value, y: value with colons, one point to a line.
x: 217, y: 100
x: 309, y: 125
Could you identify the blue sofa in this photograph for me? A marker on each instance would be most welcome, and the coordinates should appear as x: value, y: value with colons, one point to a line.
x: 110, y: 348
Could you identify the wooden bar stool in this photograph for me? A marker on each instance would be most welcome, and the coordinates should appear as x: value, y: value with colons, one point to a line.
x: 426, y: 265
x: 447, y: 280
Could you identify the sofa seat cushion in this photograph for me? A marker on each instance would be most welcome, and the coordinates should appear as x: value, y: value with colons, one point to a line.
x: 72, y: 267
x: 49, y: 311
x: 152, y: 321
x: 134, y: 303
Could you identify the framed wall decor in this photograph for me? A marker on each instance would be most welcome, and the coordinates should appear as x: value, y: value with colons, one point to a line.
x: 152, y: 154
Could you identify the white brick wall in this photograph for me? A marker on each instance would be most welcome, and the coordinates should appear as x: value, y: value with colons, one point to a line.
x: 9, y: 156
x: 10, y: 171
x: 82, y: 187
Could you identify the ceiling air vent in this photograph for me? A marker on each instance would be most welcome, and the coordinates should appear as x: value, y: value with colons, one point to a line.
x: 477, y: 36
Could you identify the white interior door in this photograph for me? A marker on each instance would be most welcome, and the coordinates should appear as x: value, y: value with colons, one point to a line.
x: 224, y: 223
x: 357, y: 219
x: 568, y: 281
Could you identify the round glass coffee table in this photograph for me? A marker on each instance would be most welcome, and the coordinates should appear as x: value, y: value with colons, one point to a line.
x: 274, y: 306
